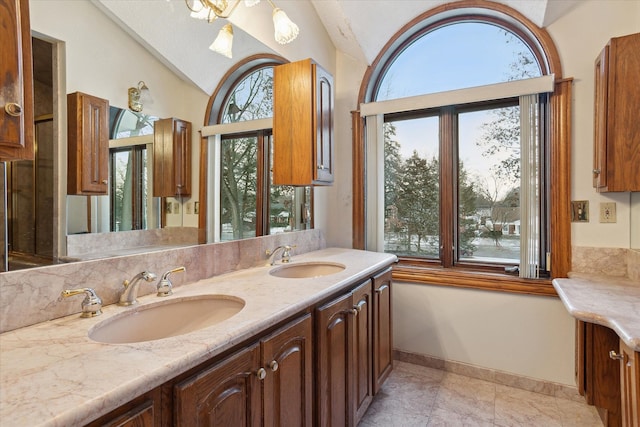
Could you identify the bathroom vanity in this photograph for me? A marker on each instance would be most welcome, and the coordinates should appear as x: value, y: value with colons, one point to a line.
x: 607, y: 366
x: 300, y: 351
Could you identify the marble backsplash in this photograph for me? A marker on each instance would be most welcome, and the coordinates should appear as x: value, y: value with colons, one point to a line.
x: 92, y: 245
x: 32, y: 296
x: 616, y: 262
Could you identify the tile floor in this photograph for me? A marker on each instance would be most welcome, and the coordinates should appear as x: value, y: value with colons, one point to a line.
x: 419, y: 396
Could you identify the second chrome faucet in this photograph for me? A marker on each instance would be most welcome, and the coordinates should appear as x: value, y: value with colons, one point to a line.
x: 130, y: 294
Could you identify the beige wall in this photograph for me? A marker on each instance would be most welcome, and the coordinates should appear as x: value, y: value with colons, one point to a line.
x: 579, y: 37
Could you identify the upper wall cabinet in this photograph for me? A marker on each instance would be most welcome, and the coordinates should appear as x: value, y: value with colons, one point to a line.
x: 302, y: 124
x: 171, y: 158
x: 617, y: 116
x: 88, y: 144
x: 16, y: 82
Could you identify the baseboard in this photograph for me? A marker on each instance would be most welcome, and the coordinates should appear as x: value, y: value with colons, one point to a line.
x: 499, y: 377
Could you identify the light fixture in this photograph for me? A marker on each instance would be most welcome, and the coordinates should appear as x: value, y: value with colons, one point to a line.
x: 136, y: 95
x: 285, y: 30
x: 223, y: 43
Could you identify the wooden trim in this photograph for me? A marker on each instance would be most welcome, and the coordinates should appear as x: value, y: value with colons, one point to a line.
x: 475, y: 280
x: 560, y: 156
x: 448, y: 190
x: 560, y: 185
x: 358, y: 213
x: 202, y: 193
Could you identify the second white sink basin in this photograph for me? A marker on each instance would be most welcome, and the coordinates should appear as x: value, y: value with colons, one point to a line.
x: 166, y: 319
x: 307, y: 270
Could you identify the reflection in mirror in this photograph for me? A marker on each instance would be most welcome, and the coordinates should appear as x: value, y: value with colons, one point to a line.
x: 129, y: 205
x: 27, y: 210
x: 247, y: 205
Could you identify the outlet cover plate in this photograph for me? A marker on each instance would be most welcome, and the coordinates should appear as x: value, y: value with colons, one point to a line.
x: 608, y: 212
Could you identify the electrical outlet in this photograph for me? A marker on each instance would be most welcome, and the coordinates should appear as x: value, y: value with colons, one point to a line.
x: 607, y: 212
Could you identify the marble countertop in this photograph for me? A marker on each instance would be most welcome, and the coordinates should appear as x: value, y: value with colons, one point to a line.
x: 613, y: 302
x: 52, y: 374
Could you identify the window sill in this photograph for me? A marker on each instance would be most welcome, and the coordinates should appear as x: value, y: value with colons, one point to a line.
x: 473, y: 279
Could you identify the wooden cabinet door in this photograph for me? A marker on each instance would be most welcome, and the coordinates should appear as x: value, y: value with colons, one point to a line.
x: 617, y: 128
x: 382, y: 329
x: 144, y: 411
x: 323, y: 160
x: 302, y: 124
x: 287, y: 356
x: 362, y: 354
x: 630, y: 383
x: 334, y: 370
x: 225, y: 395
x: 88, y: 144
x: 600, y: 381
x: 16, y: 82
x: 171, y: 158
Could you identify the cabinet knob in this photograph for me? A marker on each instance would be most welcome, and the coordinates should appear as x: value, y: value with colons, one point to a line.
x: 616, y: 356
x: 321, y: 167
x: 381, y: 289
x: 596, y: 171
x: 273, y: 365
x: 13, y: 109
x: 105, y: 182
x: 261, y: 373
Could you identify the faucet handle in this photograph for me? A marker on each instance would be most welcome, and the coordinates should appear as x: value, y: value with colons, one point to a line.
x: 91, y: 305
x: 286, y: 253
x: 164, y: 285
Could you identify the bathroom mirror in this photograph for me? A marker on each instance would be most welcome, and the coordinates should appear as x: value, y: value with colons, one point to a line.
x: 65, y: 61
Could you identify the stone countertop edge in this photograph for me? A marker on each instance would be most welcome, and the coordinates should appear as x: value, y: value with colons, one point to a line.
x: 53, y: 374
x: 613, y: 302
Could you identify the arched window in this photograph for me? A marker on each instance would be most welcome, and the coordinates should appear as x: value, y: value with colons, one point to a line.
x: 239, y: 153
x: 456, y: 56
x: 458, y: 109
x: 251, y: 98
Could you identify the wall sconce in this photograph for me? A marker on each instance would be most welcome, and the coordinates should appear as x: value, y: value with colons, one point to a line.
x: 135, y: 96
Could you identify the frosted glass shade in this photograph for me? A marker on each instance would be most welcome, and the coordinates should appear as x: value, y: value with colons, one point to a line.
x: 223, y: 43
x: 285, y: 30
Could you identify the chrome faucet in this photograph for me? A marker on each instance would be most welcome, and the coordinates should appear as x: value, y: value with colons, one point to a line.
x: 91, y: 305
x: 130, y: 293
x: 286, y: 254
x: 164, y: 285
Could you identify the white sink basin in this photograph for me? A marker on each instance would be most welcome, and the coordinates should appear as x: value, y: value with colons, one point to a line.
x: 166, y: 319
x: 307, y: 270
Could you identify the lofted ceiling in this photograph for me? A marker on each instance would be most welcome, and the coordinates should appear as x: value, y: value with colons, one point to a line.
x: 359, y: 28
